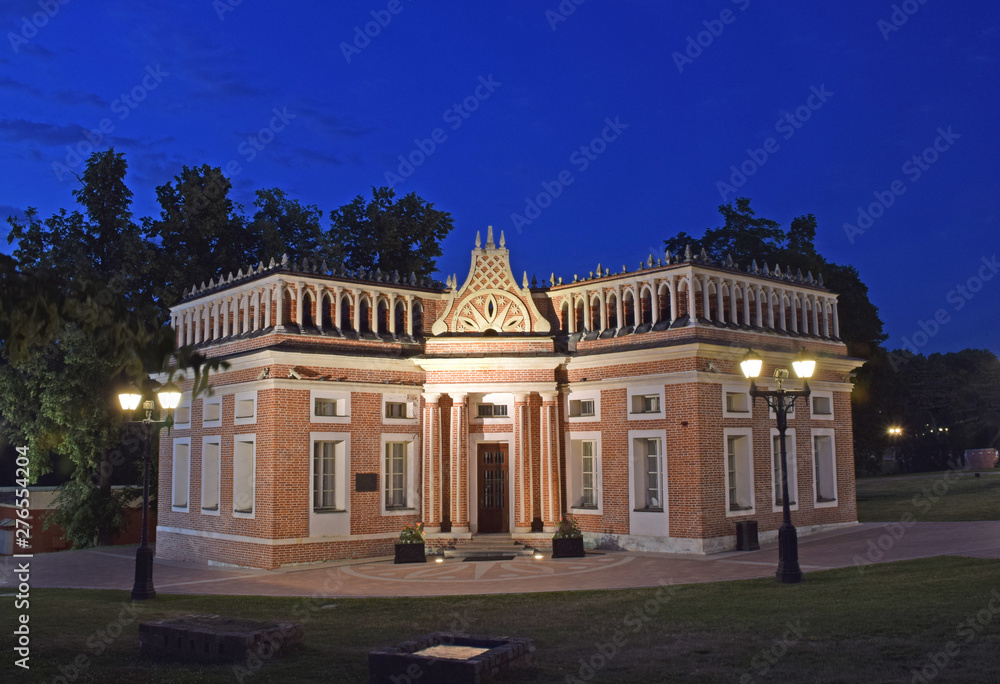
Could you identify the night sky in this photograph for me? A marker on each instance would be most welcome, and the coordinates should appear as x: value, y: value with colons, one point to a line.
x: 622, y: 122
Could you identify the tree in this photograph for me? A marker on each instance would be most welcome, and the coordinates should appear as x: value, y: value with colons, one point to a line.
x: 284, y: 226
x: 395, y: 235
x: 200, y: 232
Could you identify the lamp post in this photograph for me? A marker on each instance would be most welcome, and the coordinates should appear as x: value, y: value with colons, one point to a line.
x: 781, y: 401
x: 169, y: 396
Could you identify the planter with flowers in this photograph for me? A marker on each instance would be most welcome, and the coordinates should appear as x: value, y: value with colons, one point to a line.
x: 567, y: 542
x: 410, y: 546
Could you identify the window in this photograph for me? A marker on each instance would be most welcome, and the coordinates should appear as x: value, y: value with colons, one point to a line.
x: 325, y: 467
x: 245, y: 408
x: 395, y: 475
x: 739, y: 471
x: 648, y: 455
x: 182, y: 416
x: 181, y: 474
x: 824, y: 468
x: 327, y: 408
x: 399, y: 474
x: 822, y: 405
x: 211, y: 469
x: 645, y: 402
x: 491, y: 410
x: 776, y: 467
x: 211, y: 412
x: 330, y: 406
x: 581, y: 407
x: 736, y: 402
x: 588, y: 469
x: 399, y: 409
x: 583, y: 476
x: 243, y: 475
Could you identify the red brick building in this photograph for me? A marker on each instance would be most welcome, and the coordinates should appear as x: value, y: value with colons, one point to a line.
x: 356, y: 403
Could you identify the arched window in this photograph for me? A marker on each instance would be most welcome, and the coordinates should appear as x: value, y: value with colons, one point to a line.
x: 365, y: 322
x: 646, y: 307
x: 581, y: 323
x: 612, y: 308
x: 400, y: 315
x: 308, y: 307
x: 418, y: 319
x: 628, y: 308
x: 346, y: 315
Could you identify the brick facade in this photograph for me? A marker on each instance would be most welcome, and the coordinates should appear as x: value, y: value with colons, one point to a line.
x: 403, y: 393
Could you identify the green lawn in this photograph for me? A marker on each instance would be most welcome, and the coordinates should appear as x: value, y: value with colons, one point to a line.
x: 930, y: 497
x: 840, y: 626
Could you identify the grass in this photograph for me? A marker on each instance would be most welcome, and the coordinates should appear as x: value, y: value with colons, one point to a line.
x: 929, y: 497
x: 841, y: 625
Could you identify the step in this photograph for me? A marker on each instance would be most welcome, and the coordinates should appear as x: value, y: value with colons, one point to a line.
x: 500, y: 545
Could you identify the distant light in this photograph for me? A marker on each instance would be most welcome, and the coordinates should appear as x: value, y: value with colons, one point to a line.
x: 896, y: 431
x: 539, y: 556
x: 439, y: 559
x: 169, y: 396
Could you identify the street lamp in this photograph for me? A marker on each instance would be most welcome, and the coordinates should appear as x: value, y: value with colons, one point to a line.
x: 781, y: 401
x: 169, y: 396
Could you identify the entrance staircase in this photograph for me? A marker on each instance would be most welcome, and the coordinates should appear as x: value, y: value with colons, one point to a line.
x: 488, y: 545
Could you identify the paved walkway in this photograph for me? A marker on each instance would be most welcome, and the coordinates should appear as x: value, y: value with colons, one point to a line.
x: 113, y: 568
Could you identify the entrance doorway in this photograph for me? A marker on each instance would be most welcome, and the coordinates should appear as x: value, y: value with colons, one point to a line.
x: 493, y: 489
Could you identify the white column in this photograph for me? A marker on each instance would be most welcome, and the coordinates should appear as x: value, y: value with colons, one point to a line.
x: 299, y: 287
x: 781, y: 309
x: 672, y: 291
x: 356, y: 296
x: 619, y: 319
x: 279, y: 295
x: 392, y: 313
x: 522, y: 464
x: 571, y: 323
x: 836, y: 321
x: 795, y: 327
x: 770, y: 309
x: 373, y: 312
x: 704, y: 297
x: 733, y: 314
x: 246, y: 311
x: 269, y: 294
x: 654, y: 302
x: 433, y: 483
x: 815, y: 316
x: 550, y: 470
x: 746, y: 302
x: 460, y: 486
x: 319, y: 307
x: 805, y: 316
x: 604, y: 309
x: 720, y: 301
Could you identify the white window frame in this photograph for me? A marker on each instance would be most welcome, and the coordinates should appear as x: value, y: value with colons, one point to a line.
x: 252, y: 438
x: 412, y: 485
x: 793, y: 470
x: 343, y: 400
x: 412, y: 408
x: 586, y: 395
x: 736, y: 389
x: 497, y: 399
x: 574, y: 481
x: 211, y: 401
x: 745, y: 478
x: 831, y: 433
x: 185, y: 403
x: 637, y: 471
x: 820, y: 394
x: 185, y: 442
x: 341, y: 474
x: 647, y: 390
x: 243, y: 396
x: 205, y: 441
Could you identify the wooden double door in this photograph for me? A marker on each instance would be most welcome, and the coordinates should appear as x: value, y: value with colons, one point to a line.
x: 493, y: 488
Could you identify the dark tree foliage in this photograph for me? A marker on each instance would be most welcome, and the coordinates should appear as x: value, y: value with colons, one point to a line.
x: 284, y: 226
x: 395, y: 235
x: 200, y: 233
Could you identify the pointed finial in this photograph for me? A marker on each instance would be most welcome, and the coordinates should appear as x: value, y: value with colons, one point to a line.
x: 534, y: 281
x: 820, y: 280
x: 479, y: 241
x: 624, y: 270
x: 503, y: 240
x: 649, y: 262
x: 767, y: 272
x: 666, y: 256
x: 284, y: 259
x: 552, y: 278
x: 729, y: 260
x: 489, y: 238
x: 687, y: 252
x: 239, y: 273
x: 599, y: 270
x: 703, y: 256
x: 271, y: 264
x: 211, y: 283
x: 524, y: 281
x: 413, y: 278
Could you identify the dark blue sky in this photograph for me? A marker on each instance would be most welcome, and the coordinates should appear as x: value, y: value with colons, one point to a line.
x: 195, y: 82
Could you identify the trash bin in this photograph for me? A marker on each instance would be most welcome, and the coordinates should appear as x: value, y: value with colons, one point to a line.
x: 746, y: 536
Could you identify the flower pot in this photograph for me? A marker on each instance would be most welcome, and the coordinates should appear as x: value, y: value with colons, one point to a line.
x: 410, y: 553
x: 567, y: 547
